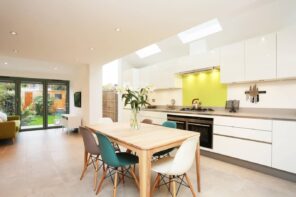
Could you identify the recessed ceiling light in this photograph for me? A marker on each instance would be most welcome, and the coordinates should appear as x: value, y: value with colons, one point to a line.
x: 91, y: 48
x: 13, y: 33
x: 5, y: 63
x: 117, y: 29
x: 200, y: 31
x: 148, y: 51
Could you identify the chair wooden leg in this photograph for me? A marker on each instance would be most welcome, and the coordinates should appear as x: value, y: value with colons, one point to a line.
x: 190, y: 185
x: 197, y: 158
x: 102, y: 180
x: 96, y: 173
x: 174, y: 188
x: 170, y: 179
x: 122, y: 175
x: 104, y: 168
x: 156, y: 183
x: 135, y: 177
x: 115, y: 183
x: 84, y: 168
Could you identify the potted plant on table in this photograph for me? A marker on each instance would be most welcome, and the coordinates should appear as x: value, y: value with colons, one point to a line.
x: 135, y: 99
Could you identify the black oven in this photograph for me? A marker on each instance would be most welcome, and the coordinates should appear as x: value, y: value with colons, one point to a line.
x: 197, y: 124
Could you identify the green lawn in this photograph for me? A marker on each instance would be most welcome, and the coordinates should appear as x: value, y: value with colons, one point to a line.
x: 38, y: 120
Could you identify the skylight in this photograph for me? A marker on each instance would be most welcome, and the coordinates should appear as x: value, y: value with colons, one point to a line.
x: 200, y: 31
x: 148, y: 51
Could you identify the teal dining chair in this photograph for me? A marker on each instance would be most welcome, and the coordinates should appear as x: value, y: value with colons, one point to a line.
x: 115, y: 161
x: 169, y: 124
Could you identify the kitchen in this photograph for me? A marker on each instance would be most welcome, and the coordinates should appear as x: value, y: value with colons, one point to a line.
x: 238, y: 95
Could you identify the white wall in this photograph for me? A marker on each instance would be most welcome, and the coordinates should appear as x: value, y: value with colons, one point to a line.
x: 280, y: 94
x: 164, y: 97
x: 95, y: 93
x: 77, y: 75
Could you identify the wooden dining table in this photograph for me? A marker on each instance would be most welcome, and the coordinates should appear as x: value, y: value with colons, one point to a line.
x: 146, y: 141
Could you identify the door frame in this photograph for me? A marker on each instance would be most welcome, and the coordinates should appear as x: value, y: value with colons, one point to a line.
x: 45, y: 83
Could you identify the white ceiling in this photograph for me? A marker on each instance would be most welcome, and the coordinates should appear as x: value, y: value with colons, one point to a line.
x: 63, y: 31
x: 257, y: 18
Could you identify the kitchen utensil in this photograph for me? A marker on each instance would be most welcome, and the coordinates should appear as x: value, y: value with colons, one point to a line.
x: 232, y: 105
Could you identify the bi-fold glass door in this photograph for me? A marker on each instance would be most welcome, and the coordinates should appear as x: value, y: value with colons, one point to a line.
x: 40, y: 103
x: 57, y: 102
x: 32, y: 105
x: 7, y: 97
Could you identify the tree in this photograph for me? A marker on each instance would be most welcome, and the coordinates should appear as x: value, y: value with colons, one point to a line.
x: 38, y: 101
x: 7, y: 98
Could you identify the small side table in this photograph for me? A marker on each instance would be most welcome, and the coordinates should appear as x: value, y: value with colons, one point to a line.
x: 70, y: 121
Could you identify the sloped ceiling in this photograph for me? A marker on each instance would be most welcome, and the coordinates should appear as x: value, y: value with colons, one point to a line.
x: 256, y: 19
x: 63, y: 31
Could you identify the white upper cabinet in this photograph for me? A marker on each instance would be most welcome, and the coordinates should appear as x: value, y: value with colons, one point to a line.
x: 130, y: 77
x: 261, y: 58
x: 161, y: 76
x: 205, y: 60
x: 286, y: 48
x: 283, y: 145
x: 232, y: 66
x: 145, y: 76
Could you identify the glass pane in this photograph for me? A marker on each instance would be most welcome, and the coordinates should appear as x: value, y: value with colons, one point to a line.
x: 7, y: 98
x: 31, y: 105
x: 56, y: 104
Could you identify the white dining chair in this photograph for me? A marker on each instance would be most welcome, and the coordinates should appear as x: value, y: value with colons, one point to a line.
x: 172, y: 170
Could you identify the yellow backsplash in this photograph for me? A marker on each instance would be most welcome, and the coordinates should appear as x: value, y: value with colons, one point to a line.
x: 206, y: 86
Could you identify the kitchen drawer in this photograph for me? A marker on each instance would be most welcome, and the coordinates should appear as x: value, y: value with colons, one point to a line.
x: 152, y: 114
x: 250, y: 123
x: 154, y: 120
x: 251, y: 151
x: 251, y: 134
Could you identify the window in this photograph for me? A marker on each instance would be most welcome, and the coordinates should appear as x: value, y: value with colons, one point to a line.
x: 110, y: 73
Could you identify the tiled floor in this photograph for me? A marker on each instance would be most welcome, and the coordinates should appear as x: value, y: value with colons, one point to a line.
x: 49, y: 163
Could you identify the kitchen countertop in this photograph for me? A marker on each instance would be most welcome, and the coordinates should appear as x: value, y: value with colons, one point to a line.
x: 260, y: 113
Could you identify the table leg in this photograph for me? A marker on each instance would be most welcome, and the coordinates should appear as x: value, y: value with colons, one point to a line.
x: 197, y: 159
x: 145, y: 172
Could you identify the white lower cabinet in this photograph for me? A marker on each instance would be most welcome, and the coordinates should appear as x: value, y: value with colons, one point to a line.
x: 156, y: 117
x: 243, y: 149
x: 248, y: 134
x: 284, y: 146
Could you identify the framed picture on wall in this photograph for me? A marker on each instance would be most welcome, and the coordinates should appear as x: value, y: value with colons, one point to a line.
x: 77, y: 99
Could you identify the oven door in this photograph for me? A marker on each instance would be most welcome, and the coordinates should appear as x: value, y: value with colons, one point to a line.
x: 206, y: 133
x: 181, y: 125
x: 180, y: 121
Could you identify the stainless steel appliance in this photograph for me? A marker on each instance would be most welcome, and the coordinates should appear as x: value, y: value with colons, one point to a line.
x: 232, y: 105
x: 197, y: 124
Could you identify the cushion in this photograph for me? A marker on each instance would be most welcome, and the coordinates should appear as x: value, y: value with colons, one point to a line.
x: 3, y: 116
x: 17, y: 124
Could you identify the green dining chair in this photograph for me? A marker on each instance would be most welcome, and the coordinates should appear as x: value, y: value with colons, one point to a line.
x: 117, y: 163
x: 169, y: 124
